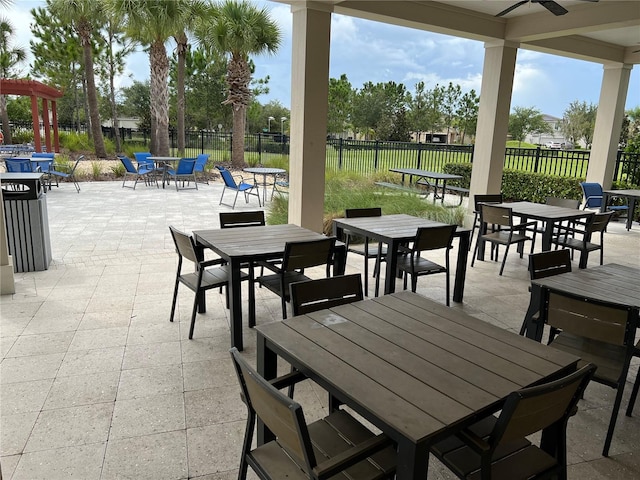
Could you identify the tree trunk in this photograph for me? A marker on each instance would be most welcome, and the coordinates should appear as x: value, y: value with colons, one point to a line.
x: 85, y: 105
x: 92, y: 95
x: 160, y: 96
x: 182, y: 58
x: 6, y: 128
x: 237, y: 139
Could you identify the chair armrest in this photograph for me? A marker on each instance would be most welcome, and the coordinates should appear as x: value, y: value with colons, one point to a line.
x: 211, y: 263
x: 288, y: 379
x: 352, y: 456
x: 473, y: 441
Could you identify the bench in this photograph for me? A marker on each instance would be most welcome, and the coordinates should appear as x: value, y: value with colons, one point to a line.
x: 403, y: 188
x: 460, y: 191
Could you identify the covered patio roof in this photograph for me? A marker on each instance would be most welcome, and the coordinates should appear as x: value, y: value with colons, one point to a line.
x: 35, y: 90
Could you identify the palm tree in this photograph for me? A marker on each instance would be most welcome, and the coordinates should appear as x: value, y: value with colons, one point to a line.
x: 239, y: 29
x: 196, y: 9
x: 86, y: 17
x: 153, y: 23
x: 9, y: 57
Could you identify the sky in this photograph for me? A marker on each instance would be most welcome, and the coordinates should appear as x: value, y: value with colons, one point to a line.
x: 376, y: 52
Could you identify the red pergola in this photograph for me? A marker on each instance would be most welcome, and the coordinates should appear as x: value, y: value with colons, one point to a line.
x: 35, y: 90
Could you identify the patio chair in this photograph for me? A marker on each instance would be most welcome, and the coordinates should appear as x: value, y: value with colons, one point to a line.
x: 300, y: 451
x: 280, y: 184
x: 200, y: 167
x: 580, y: 237
x: 543, y: 265
x: 477, y: 201
x: 313, y: 295
x: 142, y: 159
x: 62, y: 171
x: 297, y: 257
x: 504, y: 231
x: 18, y: 165
x: 593, y: 195
x: 600, y: 333
x: 142, y: 172
x: 184, y: 172
x: 427, y: 239
x: 497, y: 448
x: 366, y: 250
x: 44, y: 161
x: 231, y: 184
x: 199, y: 280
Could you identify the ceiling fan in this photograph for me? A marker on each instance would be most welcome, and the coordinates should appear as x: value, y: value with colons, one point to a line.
x: 550, y: 5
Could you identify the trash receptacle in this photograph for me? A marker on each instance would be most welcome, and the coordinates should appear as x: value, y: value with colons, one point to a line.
x: 26, y: 220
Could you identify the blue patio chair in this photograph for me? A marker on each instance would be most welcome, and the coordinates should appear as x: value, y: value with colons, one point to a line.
x: 142, y: 172
x: 142, y: 159
x: 62, y: 171
x: 593, y: 198
x: 18, y: 165
x: 231, y: 184
x: 201, y: 163
x: 185, y: 172
x: 44, y: 161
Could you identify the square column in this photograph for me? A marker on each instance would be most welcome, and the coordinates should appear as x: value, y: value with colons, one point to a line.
x: 493, y: 118
x: 606, y: 134
x: 309, y: 104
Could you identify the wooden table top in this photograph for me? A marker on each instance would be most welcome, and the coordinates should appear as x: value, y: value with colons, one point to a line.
x: 426, y: 173
x: 413, y: 367
x: 386, y: 227
x: 608, y: 283
x: 623, y: 193
x: 541, y: 211
x: 261, y: 242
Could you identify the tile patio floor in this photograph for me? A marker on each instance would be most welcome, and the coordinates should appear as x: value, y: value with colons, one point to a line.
x: 96, y: 383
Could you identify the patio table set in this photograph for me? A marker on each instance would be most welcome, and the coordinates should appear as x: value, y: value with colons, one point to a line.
x: 416, y: 369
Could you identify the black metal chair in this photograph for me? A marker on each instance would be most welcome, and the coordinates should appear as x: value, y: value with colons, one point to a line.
x: 579, y: 237
x: 301, y: 451
x: 427, y: 239
x: 63, y: 171
x: 477, y: 201
x: 498, y: 448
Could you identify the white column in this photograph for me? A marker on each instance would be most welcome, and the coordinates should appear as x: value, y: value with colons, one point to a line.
x: 7, y: 284
x: 606, y: 134
x: 493, y: 118
x: 309, y: 100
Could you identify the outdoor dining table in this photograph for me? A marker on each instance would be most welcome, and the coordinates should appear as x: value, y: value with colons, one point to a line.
x: 395, y: 230
x: 549, y: 214
x: 414, y: 368
x: 612, y: 283
x: 265, y: 172
x: 252, y: 244
x: 632, y: 195
x: 426, y: 174
x: 164, y: 163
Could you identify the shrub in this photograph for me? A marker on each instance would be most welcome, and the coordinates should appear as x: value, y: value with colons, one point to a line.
x: 75, y: 142
x: 96, y: 170
x: 22, y: 135
x: 118, y: 170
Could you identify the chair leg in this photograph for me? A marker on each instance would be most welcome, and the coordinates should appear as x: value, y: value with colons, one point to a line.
x: 366, y: 266
x: 173, y: 303
x: 193, y: 314
x: 614, y: 417
x: 634, y: 395
x: 504, y: 258
x: 448, y: 281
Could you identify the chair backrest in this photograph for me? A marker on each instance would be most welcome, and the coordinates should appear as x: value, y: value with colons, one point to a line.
x: 201, y: 162
x: 298, y: 255
x: 363, y: 212
x: 486, y: 198
x: 280, y: 414
x: 43, y: 155
x: 534, y: 409
x: 227, y: 177
x: 587, y: 318
x: 186, y: 166
x: 242, y: 219
x: 314, y: 295
x: 76, y: 164
x: 433, y: 238
x: 494, y: 215
x: 185, y: 246
x: 592, y: 194
x: 563, y: 202
x: 547, y: 264
x: 142, y: 158
x: 599, y: 222
x: 128, y: 163
x: 18, y: 165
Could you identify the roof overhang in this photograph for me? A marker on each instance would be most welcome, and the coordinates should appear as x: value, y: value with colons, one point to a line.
x: 30, y: 88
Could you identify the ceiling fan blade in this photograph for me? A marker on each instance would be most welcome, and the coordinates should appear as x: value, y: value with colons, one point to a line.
x: 512, y: 7
x: 553, y: 7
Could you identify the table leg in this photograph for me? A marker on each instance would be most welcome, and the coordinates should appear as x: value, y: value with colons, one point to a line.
x: 630, y: 212
x: 461, y: 267
x: 235, y: 304
x: 547, y: 235
x: 392, y: 265
x: 413, y: 462
x: 267, y: 366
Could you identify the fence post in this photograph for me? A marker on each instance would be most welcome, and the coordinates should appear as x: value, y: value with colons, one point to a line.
x: 419, y: 154
x: 536, y: 164
x: 201, y: 141
x: 260, y: 147
x: 340, y: 144
x: 616, y: 170
x: 375, y: 157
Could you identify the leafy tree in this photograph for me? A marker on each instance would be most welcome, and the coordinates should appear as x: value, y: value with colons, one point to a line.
x: 19, y: 109
x: 153, y: 23
x: 137, y: 103
x: 578, y: 122
x: 375, y: 103
x: 633, y: 130
x: 433, y: 113
x: 524, y: 121
x: 10, y: 58
x: 239, y: 29
x: 86, y: 17
x: 340, y: 95
x: 258, y: 116
x: 450, y: 104
x: 58, y: 60
x: 467, y: 114
x: 417, y: 114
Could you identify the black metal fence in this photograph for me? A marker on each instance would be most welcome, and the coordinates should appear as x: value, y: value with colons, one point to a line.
x: 369, y: 156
